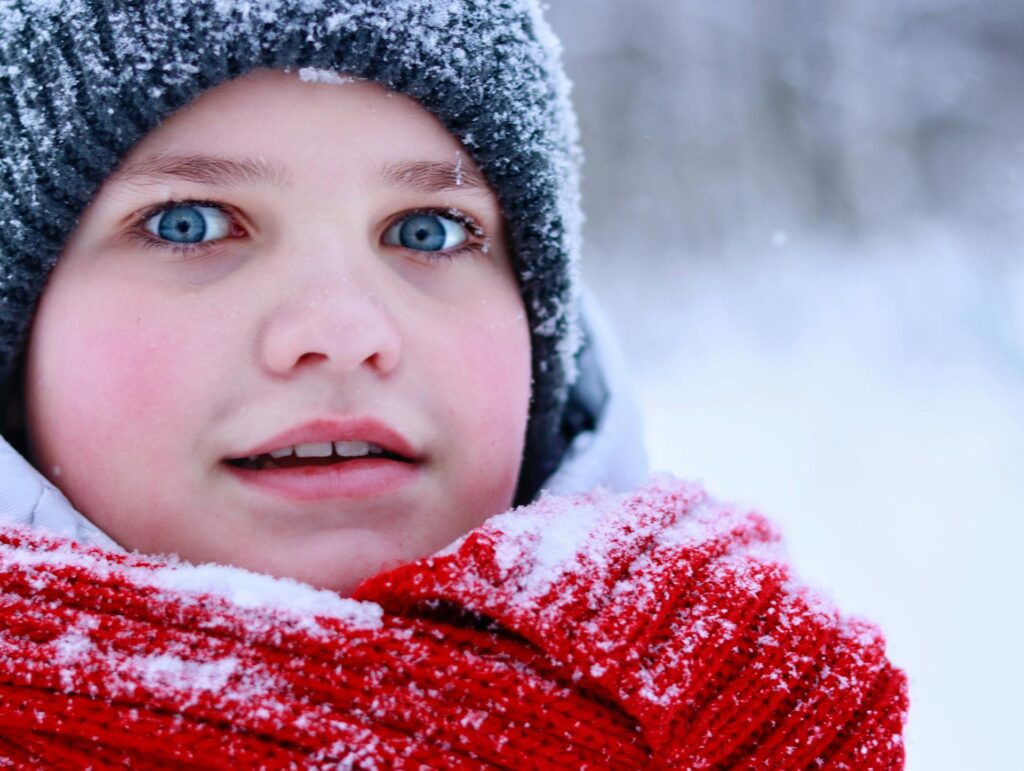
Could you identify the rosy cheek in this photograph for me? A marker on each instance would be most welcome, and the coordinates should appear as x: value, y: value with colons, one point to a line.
x: 495, y: 362
x: 114, y: 371
x: 138, y: 368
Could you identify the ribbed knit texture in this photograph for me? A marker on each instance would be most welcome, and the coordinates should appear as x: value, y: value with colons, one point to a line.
x: 81, y: 81
x: 653, y: 630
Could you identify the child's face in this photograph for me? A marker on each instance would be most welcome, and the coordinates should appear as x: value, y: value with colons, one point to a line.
x: 289, y: 295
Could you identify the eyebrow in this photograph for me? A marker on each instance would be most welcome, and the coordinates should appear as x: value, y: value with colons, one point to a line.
x: 421, y: 176
x: 433, y: 177
x: 205, y: 170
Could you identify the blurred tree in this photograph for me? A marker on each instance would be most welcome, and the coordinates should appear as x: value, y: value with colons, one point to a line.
x: 711, y: 126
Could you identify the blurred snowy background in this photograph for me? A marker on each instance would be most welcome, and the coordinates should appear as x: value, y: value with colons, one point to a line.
x: 805, y: 219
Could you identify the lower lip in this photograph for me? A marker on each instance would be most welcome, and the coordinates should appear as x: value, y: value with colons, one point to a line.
x: 364, y: 478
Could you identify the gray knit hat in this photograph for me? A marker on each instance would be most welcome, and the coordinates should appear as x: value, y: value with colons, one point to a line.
x: 81, y: 81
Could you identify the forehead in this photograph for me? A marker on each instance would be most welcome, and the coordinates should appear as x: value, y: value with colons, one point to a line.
x: 292, y: 128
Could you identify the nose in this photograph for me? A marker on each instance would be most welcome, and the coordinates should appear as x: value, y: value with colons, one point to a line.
x: 334, y: 325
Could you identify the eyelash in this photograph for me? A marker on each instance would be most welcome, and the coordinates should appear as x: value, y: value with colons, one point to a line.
x: 473, y: 230
x: 142, y: 237
x: 147, y: 240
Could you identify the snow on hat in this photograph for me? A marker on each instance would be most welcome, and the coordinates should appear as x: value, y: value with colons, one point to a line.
x: 83, y: 80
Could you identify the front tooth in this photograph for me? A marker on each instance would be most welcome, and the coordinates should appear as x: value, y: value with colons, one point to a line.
x: 313, y: 450
x: 284, y: 452
x: 375, y: 449
x: 351, y: 449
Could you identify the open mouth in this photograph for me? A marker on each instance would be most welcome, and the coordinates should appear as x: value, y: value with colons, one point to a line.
x: 355, y: 458
x: 315, y: 455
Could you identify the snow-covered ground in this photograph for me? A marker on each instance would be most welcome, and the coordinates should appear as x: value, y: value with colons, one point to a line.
x: 870, y: 399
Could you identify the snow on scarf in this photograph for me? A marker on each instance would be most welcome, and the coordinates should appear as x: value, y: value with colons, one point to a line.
x: 656, y: 629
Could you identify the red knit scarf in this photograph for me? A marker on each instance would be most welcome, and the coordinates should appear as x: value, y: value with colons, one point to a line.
x: 657, y: 629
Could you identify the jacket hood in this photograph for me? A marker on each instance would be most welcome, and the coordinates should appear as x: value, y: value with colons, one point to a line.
x: 603, y: 418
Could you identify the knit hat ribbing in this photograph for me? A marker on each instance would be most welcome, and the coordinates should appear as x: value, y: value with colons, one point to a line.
x: 82, y: 81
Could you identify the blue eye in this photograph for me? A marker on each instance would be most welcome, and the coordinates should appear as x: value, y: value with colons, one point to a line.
x: 189, y: 224
x: 426, y: 232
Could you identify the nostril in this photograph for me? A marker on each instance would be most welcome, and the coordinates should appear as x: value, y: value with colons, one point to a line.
x: 352, y: 335
x: 310, y: 358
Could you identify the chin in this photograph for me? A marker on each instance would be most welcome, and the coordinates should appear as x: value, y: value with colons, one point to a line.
x: 325, y: 563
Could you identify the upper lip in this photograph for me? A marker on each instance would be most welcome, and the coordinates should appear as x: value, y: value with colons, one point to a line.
x: 334, y: 430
